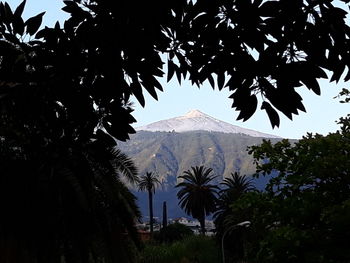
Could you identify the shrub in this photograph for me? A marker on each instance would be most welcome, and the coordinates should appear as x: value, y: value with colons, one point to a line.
x: 173, y: 232
x: 198, y: 249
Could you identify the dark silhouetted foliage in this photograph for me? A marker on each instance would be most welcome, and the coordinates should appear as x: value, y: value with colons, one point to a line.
x: 197, y: 196
x: 149, y: 182
x: 235, y: 187
x: 64, y: 90
x: 173, y: 232
x: 303, y: 216
x: 165, y: 215
x: 199, y: 249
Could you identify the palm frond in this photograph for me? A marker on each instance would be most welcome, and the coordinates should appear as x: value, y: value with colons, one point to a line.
x: 124, y: 165
x: 196, y: 195
x: 239, y: 183
x: 149, y: 182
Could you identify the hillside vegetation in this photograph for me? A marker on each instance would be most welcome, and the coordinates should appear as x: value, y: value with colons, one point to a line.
x: 170, y: 153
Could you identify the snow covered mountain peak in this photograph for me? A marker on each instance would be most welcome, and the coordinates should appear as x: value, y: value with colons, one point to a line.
x: 196, y: 120
x: 194, y: 114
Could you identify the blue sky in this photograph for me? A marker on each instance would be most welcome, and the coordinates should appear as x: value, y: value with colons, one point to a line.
x: 322, y: 111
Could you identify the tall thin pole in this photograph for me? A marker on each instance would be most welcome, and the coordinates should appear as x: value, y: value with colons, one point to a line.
x: 165, y: 215
x: 150, y: 205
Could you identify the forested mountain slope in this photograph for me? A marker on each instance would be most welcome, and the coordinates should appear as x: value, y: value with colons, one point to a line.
x: 171, y: 153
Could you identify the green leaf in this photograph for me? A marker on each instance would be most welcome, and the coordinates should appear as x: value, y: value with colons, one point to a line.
x: 211, y: 81
x: 71, y: 7
x: 178, y: 74
x: 104, y: 137
x: 75, y: 10
x: 2, y: 11
x: 43, y: 33
x: 148, y: 85
x: 221, y: 80
x: 271, y: 112
x: 347, y: 76
x: 269, y: 9
x: 244, y: 102
x: 18, y: 25
x: 157, y: 84
x: 257, y: 3
x: 19, y: 9
x: 339, y: 69
x: 249, y: 108
x: 137, y: 91
x: 312, y: 83
x: 171, y: 70
x: 33, y: 23
x: 7, y: 13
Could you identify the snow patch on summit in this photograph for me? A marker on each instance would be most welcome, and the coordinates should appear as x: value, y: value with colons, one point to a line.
x: 196, y: 120
x: 194, y: 114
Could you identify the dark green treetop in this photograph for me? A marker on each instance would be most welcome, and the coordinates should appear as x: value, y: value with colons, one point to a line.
x: 76, y: 77
x: 304, y: 213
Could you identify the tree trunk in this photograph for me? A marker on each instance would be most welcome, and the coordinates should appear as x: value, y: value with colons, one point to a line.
x: 202, y: 223
x: 150, y: 205
x: 165, y: 216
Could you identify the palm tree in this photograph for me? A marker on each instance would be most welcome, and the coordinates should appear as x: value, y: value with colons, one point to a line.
x: 197, y: 196
x: 235, y: 186
x: 149, y: 182
x: 68, y: 201
x: 109, y: 205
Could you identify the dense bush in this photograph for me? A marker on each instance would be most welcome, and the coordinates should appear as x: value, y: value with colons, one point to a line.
x: 304, y: 213
x: 172, y: 233
x: 199, y: 249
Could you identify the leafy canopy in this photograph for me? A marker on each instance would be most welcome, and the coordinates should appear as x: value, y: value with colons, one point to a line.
x: 78, y: 78
x: 66, y: 87
x: 304, y: 213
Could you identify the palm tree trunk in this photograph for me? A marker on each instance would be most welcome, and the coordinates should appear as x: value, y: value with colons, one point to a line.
x: 202, y: 223
x: 150, y: 205
x: 165, y: 215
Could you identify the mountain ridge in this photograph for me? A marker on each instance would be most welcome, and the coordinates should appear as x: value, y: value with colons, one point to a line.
x: 169, y: 154
x: 196, y: 120
x: 170, y: 147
